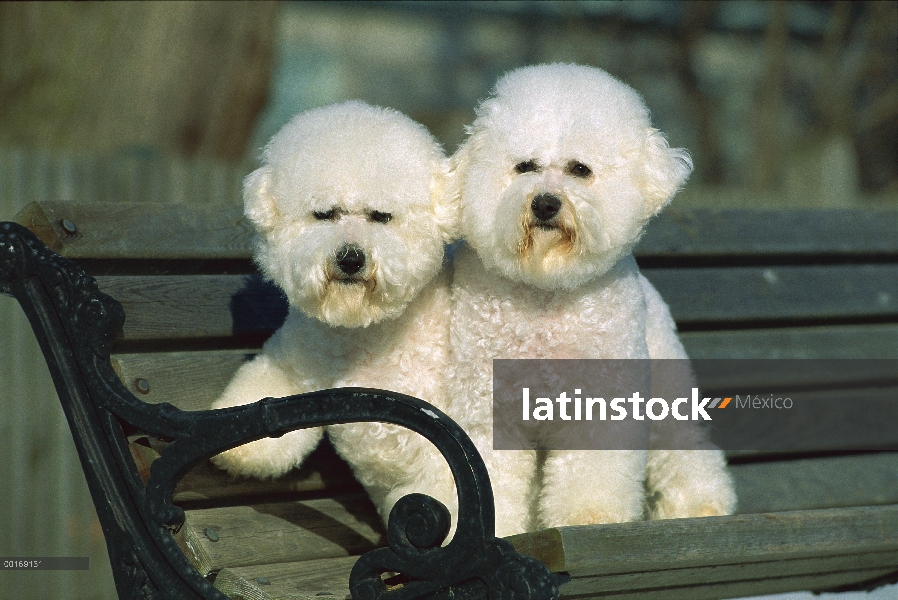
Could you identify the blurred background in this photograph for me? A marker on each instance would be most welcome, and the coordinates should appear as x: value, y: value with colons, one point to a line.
x: 781, y: 104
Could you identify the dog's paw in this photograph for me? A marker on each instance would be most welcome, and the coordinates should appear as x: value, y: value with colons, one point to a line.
x: 683, y: 508
x: 591, y: 516
x: 269, y: 457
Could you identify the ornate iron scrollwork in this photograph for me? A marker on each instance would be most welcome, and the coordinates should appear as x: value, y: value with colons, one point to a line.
x: 76, y: 324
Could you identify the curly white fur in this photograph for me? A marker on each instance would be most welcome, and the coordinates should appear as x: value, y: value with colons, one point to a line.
x: 558, y: 177
x: 350, y: 210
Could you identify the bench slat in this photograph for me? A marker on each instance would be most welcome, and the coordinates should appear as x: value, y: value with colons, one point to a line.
x: 328, y: 577
x: 193, y: 380
x: 710, y: 541
x: 844, y: 341
x: 309, y: 580
x: 738, y: 294
x: 141, y: 231
x: 713, y: 583
x: 278, y: 532
x: 196, y: 306
x: 222, y: 306
x: 832, y: 482
x: 713, y: 233
x: 188, y: 380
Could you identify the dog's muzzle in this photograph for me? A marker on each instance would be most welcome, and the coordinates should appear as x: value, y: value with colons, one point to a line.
x: 544, y: 208
x: 350, y: 259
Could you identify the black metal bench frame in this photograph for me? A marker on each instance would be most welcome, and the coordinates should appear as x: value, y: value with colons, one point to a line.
x: 76, y: 324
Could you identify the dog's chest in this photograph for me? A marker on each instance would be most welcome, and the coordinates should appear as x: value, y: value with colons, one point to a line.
x: 495, y: 318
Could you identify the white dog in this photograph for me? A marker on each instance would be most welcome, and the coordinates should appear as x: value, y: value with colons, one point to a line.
x: 557, y: 180
x: 349, y: 208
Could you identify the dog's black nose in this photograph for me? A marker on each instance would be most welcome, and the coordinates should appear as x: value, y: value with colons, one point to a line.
x: 350, y: 259
x: 545, y: 206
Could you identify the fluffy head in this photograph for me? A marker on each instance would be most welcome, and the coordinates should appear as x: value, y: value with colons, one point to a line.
x: 560, y: 174
x: 351, y: 211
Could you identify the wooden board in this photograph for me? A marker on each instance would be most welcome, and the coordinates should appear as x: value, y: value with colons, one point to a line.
x: 193, y: 380
x: 595, y: 550
x: 844, y: 341
x: 187, y: 380
x: 221, y: 306
x: 138, y: 231
x: 737, y: 582
x: 141, y: 231
x: 308, y: 580
x: 776, y: 234
x: 778, y: 293
x: 259, y: 534
x: 832, y: 482
x: 311, y: 580
x: 196, y: 306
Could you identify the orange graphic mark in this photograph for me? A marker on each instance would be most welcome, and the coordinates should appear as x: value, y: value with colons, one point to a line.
x: 724, y: 403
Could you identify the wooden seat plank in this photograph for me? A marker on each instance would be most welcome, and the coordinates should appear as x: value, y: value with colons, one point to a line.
x: 736, y: 581
x: 310, y: 580
x: 711, y: 541
x: 314, y: 579
x: 276, y: 532
x: 831, y: 482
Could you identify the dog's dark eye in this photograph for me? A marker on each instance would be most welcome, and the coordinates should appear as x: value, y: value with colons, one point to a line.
x: 578, y: 169
x: 326, y: 215
x: 526, y: 167
x: 380, y: 217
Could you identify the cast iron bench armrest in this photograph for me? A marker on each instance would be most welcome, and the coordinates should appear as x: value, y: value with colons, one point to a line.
x: 76, y: 324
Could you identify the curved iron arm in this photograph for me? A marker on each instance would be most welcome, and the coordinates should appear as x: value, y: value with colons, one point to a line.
x: 76, y: 324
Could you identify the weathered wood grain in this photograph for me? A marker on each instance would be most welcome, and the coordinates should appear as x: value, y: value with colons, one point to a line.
x: 216, y: 306
x: 778, y: 293
x: 672, y: 590
x: 843, y: 341
x: 744, y: 578
x: 313, y: 579
x: 141, y: 231
x: 196, y: 306
x: 308, y: 580
x: 187, y: 380
x: 832, y: 482
x: 260, y: 534
x: 712, y: 541
x: 703, y: 233
x: 714, y: 233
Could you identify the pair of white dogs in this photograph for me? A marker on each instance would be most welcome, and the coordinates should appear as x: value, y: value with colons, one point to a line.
x: 553, y: 187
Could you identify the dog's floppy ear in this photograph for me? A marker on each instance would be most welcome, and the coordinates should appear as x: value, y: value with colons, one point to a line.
x: 258, y: 203
x: 455, y: 179
x: 665, y: 171
x: 446, y: 208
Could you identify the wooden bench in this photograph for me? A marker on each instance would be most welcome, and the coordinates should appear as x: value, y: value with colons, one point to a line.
x: 741, y: 284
